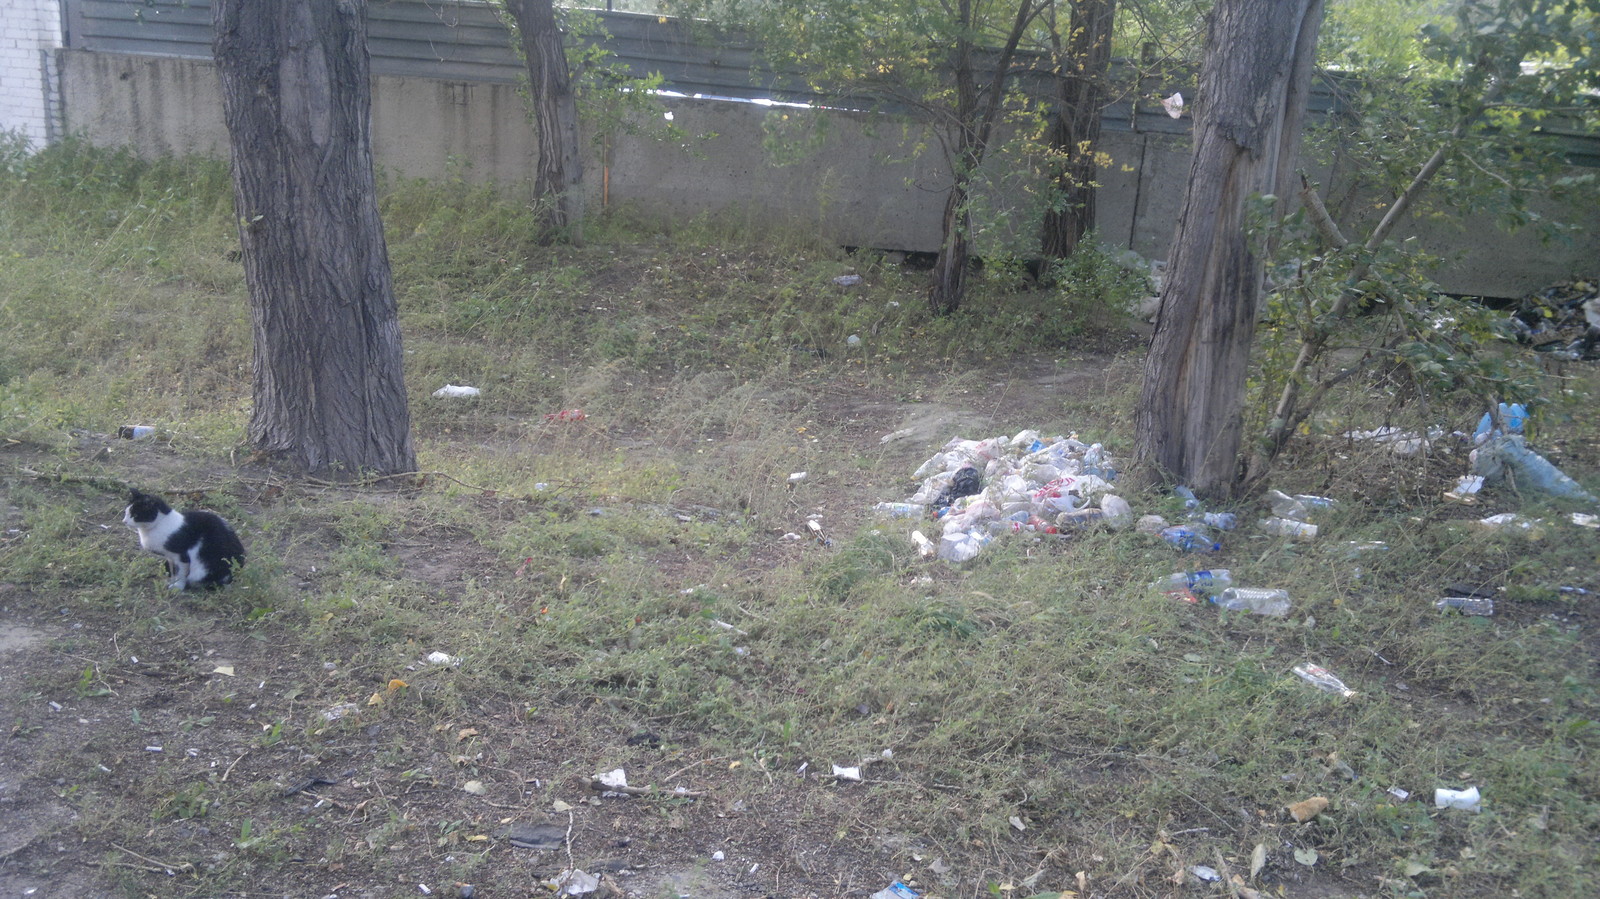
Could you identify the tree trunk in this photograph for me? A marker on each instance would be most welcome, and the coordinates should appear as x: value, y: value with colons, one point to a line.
x: 1074, y: 133
x: 329, y: 390
x: 1247, y: 136
x: 558, y: 180
x: 975, y: 118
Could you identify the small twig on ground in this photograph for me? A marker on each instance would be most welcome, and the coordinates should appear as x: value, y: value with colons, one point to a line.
x: 165, y: 867
x: 596, y: 785
x: 719, y: 758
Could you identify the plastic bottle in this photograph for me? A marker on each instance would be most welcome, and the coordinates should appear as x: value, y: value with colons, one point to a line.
x: 1222, y: 521
x: 1466, y: 605
x: 1195, y: 584
x: 1250, y: 599
x: 1210, y: 582
x: 1190, y: 540
x: 1319, y: 677
x: 901, y: 510
x: 1289, y: 527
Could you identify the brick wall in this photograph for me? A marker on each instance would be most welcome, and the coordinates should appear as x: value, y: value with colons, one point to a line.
x: 30, y: 32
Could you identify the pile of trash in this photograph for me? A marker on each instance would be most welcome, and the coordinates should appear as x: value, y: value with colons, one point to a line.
x: 1025, y: 483
x: 1563, y: 319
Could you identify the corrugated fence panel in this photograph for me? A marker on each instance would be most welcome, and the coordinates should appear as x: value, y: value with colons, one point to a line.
x: 464, y: 40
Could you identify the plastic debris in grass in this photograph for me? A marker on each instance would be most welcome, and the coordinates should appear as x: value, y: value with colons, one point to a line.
x: 1467, y: 800
x: 456, y: 390
x: 980, y: 489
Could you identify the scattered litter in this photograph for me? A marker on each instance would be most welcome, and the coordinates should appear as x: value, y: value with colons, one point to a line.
x: 847, y: 280
x: 1466, y: 489
x: 1514, y: 416
x: 566, y: 415
x: 844, y: 773
x: 1190, y: 540
x: 339, y: 711
x: 896, y: 890
x: 1306, y: 809
x: 797, y: 477
x: 1585, y: 520
x: 574, y: 883
x: 1017, y: 823
x: 1509, y: 521
x: 616, y: 779
x: 925, y: 547
x: 1399, y: 794
x: 815, y: 527
x: 1466, y: 800
x: 1288, y: 527
x: 1173, y: 105
x: 717, y: 856
x: 940, y: 867
x: 224, y: 670
x: 901, y: 510
x: 443, y: 658
x: 1191, y: 586
x: 135, y: 432
x: 1506, y: 456
x: 1466, y: 605
x: 1401, y: 443
x: 853, y: 340
x: 475, y: 787
x: 1272, y: 603
x: 896, y: 435
x: 1320, y: 678
x: 455, y: 390
x: 1205, y: 873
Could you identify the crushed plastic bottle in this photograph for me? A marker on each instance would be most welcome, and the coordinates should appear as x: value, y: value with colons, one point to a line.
x: 1222, y: 521
x: 1319, y: 677
x: 1467, y: 800
x: 1274, y: 603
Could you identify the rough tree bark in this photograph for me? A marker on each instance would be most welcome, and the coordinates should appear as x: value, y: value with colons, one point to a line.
x: 1251, y: 95
x: 1081, y: 64
x: 329, y: 390
x: 558, y: 180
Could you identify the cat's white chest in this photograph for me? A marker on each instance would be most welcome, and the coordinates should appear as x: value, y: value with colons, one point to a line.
x: 154, y: 535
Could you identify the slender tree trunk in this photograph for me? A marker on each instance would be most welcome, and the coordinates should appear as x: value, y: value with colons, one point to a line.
x: 975, y: 116
x: 1247, y: 135
x: 558, y: 180
x: 329, y: 388
x: 1081, y: 66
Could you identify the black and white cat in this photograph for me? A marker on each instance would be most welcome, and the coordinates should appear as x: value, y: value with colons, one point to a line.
x: 199, y: 548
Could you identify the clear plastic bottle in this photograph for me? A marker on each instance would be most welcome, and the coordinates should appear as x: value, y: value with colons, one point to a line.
x: 1250, y: 599
x: 1192, y: 540
x: 901, y: 510
x: 1190, y: 585
x: 1466, y: 605
x: 1319, y: 677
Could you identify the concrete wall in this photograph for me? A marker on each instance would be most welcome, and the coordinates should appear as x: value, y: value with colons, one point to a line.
x: 865, y: 187
x: 30, y: 31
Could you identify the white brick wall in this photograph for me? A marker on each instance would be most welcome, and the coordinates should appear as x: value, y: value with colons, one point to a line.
x: 30, y: 30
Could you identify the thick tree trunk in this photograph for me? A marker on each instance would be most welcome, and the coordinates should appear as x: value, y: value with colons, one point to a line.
x: 1074, y: 134
x: 1247, y: 136
x: 330, y: 395
x: 558, y: 180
